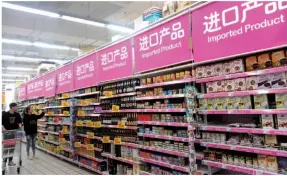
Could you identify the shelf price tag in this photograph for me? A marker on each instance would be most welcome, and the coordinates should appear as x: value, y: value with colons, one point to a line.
x: 81, y: 113
x: 65, y: 103
x: 50, y: 113
x: 78, y: 144
x: 79, y: 123
x: 65, y: 95
x: 85, y: 103
x: 108, y: 93
x: 90, y: 123
x: 62, y: 140
x: 65, y: 130
x: 98, y: 124
x: 90, y: 146
x: 121, y: 124
x: 66, y: 113
x: 115, y: 108
x: 90, y: 134
x: 118, y: 141
x: 106, y: 139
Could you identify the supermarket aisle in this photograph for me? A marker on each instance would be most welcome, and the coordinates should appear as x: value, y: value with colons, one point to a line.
x: 47, y: 165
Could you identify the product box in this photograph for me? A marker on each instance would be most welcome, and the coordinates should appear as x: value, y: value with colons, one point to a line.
x: 221, y: 103
x: 272, y: 163
x: 200, y: 72
x: 267, y: 121
x: 209, y: 71
x: 228, y: 68
x: 238, y: 66
x: 264, y: 81
x: 231, y: 102
x: 210, y: 103
x: 219, y: 86
x: 262, y: 162
x: 225, y: 101
x: 281, y: 121
x: 251, y: 83
x: 229, y: 85
x: 202, y: 102
x: 278, y: 80
x: 218, y: 69
x: 243, y: 102
x: 210, y: 87
x: 240, y: 84
x: 278, y: 58
x: 270, y: 140
x: 282, y: 164
x: 264, y: 61
x: 281, y: 101
x: 261, y: 101
x: 251, y: 63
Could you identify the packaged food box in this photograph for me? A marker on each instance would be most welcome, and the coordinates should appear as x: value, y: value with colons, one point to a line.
x: 231, y: 102
x: 240, y: 84
x: 221, y: 103
x: 272, y: 163
x: 264, y: 81
x: 202, y: 104
x: 270, y: 140
x: 218, y: 69
x: 209, y: 71
x: 228, y: 67
x: 251, y: 83
x: 219, y: 86
x: 261, y: 101
x: 282, y: 164
x: 264, y: 61
x: 244, y: 102
x: 278, y: 80
x: 225, y: 101
x: 210, y: 103
x: 281, y: 101
x: 200, y: 72
x: 149, y: 81
x: 278, y: 58
x: 229, y: 85
x: 267, y: 121
x: 238, y: 66
x: 251, y: 63
x: 262, y: 162
x: 281, y: 121
x: 210, y: 87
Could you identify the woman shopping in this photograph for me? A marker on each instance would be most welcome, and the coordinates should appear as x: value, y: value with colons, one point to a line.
x: 30, y: 128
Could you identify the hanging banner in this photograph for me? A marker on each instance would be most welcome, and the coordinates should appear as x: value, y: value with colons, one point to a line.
x: 22, y: 92
x: 115, y: 61
x: 166, y: 44
x: 222, y: 29
x: 85, y: 72
x: 65, y: 79
x: 35, y: 88
x: 50, y: 84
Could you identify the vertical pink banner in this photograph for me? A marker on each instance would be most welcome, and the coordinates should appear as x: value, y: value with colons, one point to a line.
x: 22, y: 92
x: 166, y: 44
x: 85, y: 72
x: 115, y: 62
x: 222, y: 29
x: 49, y: 84
x: 65, y: 81
x: 35, y: 88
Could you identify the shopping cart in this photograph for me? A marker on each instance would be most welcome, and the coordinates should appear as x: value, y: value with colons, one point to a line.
x: 11, y: 148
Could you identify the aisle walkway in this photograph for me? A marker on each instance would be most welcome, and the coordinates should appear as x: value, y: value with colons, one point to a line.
x: 47, y: 164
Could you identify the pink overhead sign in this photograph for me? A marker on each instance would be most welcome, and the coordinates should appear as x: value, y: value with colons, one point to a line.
x: 115, y: 61
x: 222, y: 29
x: 49, y: 84
x: 22, y: 92
x: 65, y: 79
x: 166, y: 44
x: 35, y: 88
x: 85, y: 72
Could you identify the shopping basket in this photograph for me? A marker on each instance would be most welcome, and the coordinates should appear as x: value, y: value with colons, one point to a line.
x: 11, y: 148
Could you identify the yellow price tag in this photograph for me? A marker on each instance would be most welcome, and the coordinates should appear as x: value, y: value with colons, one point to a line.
x: 118, y: 141
x: 115, y: 108
x: 59, y: 148
x: 50, y: 113
x: 79, y: 123
x: 85, y: 102
x: 90, y: 146
x: 81, y: 113
x: 90, y: 134
x: 90, y: 124
x: 66, y: 113
x: 78, y: 144
x: 36, y: 107
x: 98, y: 124
x: 106, y: 139
x: 65, y: 95
x: 121, y: 124
x: 108, y: 93
x: 62, y: 140
x: 65, y: 103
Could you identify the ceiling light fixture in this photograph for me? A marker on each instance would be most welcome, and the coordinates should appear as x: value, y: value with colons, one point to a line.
x: 20, y: 69
x: 28, y: 59
x: 78, y: 20
x: 12, y: 80
x: 120, y: 28
x: 17, y: 42
x: 13, y: 75
x: 45, y: 45
x: 30, y: 10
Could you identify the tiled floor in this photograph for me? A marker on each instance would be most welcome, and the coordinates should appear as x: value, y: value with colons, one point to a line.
x: 46, y: 164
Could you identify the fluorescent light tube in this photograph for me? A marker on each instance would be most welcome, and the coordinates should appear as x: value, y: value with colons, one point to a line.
x: 28, y: 59
x: 45, y: 45
x: 20, y: 69
x: 11, y: 80
x: 120, y: 28
x: 13, y: 75
x: 17, y: 42
x: 78, y: 20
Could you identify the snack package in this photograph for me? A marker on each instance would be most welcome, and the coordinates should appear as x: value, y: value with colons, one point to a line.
x: 202, y: 103
x: 238, y: 66
x: 200, y: 72
x: 209, y: 71
x: 278, y: 80
x: 272, y: 164
x: 220, y: 103
x: 270, y: 140
x: 228, y: 68
x: 262, y: 162
x: 251, y: 63
x: 229, y: 85
x: 281, y: 101
x: 267, y: 121
x: 251, y: 83
x: 264, y: 61
x: 282, y: 164
x: 261, y: 101
x: 219, y: 86
x: 245, y: 102
x: 231, y: 102
x: 264, y: 81
x: 281, y: 121
x: 210, y: 87
x: 210, y: 103
x: 278, y: 58
x: 240, y: 84
x: 218, y: 69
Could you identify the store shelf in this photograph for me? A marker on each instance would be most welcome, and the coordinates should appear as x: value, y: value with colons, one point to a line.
x: 174, y: 124
x: 160, y: 97
x: 161, y: 150
x: 166, y: 165
x: 145, y: 173
x: 243, y: 130
x: 160, y: 110
x: 52, y: 142
x: 37, y: 103
x: 263, y: 151
x: 95, y: 148
x: 124, y: 110
x: 171, y: 138
x: 90, y: 157
x: 41, y: 131
x: 166, y: 83
x: 120, y: 159
x: 54, y: 107
x: 95, y: 137
x: 57, y: 155
x: 133, y: 145
x: 93, y: 169
x: 87, y: 94
x: 119, y: 95
x: 243, y: 93
x: 51, y: 132
x: 245, y: 111
x: 91, y: 115
x: 115, y: 126
x: 93, y: 104
x: 235, y: 168
x: 57, y: 115
x: 41, y: 125
x: 63, y: 98
x: 242, y: 75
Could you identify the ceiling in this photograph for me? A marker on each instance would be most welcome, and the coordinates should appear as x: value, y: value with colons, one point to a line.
x: 18, y: 25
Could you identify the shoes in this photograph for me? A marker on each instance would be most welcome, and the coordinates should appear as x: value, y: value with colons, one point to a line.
x: 35, y: 157
x: 11, y: 163
x: 30, y: 157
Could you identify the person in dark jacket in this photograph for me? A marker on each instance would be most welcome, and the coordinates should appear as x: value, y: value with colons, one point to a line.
x: 30, y: 128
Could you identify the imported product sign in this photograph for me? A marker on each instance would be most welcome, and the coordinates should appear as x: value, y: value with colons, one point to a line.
x: 115, y: 61
x: 65, y: 79
x: 85, y: 72
x: 22, y: 92
x: 168, y: 43
x: 222, y: 29
x: 50, y: 84
x: 35, y: 88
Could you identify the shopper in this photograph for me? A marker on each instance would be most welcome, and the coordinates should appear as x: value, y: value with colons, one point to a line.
x: 30, y: 128
x: 11, y: 120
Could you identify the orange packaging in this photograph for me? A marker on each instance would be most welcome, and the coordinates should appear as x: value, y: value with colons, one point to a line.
x: 264, y: 61
x: 177, y: 76
x: 149, y: 81
x: 144, y: 81
x: 164, y: 78
x: 154, y: 79
x: 251, y: 63
x: 168, y: 77
x: 181, y: 75
x: 278, y: 58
